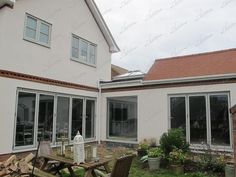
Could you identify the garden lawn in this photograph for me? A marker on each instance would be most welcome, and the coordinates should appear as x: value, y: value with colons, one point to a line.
x: 138, y: 171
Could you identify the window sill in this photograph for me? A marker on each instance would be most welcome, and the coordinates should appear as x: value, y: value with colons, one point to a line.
x: 79, y: 61
x: 36, y: 42
x: 118, y: 140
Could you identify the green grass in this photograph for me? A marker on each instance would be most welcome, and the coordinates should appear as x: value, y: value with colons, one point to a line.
x: 138, y: 171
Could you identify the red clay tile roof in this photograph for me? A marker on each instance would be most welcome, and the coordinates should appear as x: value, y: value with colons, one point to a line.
x: 204, y: 64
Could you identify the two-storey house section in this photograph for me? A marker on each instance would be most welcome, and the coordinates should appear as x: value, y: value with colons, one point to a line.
x: 52, y: 56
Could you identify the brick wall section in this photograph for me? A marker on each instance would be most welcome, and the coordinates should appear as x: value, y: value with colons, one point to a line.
x: 233, y: 112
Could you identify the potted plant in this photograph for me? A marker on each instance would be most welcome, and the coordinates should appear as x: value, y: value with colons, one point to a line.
x: 153, y: 158
x: 176, y: 159
x: 143, y: 147
x: 229, y: 169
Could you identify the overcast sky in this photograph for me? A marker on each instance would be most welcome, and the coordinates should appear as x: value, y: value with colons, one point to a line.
x: 146, y: 30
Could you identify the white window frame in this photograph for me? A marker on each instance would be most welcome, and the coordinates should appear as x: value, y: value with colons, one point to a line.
x: 118, y: 139
x: 208, y: 119
x: 38, y: 25
x: 88, y: 51
x: 54, y: 142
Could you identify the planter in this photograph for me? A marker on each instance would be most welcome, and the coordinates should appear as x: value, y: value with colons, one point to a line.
x: 154, y: 163
x: 229, y: 170
x: 141, y: 152
x: 177, y: 169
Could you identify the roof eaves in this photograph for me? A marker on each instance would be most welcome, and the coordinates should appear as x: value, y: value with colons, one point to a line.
x: 7, y: 3
x: 103, y: 26
x: 197, y: 54
x: 191, y: 79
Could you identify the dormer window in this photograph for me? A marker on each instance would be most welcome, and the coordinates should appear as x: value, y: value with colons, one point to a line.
x: 37, y: 31
x: 83, y: 51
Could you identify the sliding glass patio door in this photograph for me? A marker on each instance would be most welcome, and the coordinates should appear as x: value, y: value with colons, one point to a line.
x: 77, y: 116
x: 197, y: 119
x: 207, y: 118
x: 90, y: 119
x: 45, y: 117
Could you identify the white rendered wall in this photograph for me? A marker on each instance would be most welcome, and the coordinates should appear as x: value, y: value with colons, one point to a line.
x: 8, y: 88
x: 66, y: 17
x: 153, y: 107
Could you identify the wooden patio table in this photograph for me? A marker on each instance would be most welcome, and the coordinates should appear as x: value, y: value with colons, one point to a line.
x: 89, y: 167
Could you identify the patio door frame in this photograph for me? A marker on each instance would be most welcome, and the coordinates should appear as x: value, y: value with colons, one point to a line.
x: 208, y: 119
x: 55, y: 96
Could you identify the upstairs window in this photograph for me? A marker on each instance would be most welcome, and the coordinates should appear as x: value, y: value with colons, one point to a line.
x: 83, y: 51
x: 37, y: 31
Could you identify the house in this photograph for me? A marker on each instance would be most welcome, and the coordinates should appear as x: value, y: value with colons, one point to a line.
x: 53, y: 55
x: 55, y: 78
x: 193, y: 92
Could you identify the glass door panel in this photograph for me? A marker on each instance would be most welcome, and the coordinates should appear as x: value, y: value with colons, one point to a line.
x: 25, y: 119
x: 219, y: 120
x: 178, y: 113
x: 89, y: 119
x: 62, y: 130
x: 45, y: 117
x: 77, y: 117
x: 197, y: 115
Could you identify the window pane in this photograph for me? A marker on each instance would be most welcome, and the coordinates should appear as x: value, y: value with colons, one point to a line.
x: 45, y: 117
x: 25, y: 119
x: 75, y: 53
x: 62, y: 117
x: 198, y: 131
x: 90, y: 117
x: 75, y: 42
x: 77, y: 117
x: 123, y: 118
x: 219, y: 120
x: 31, y: 23
x: 178, y: 113
x: 44, y: 29
x: 30, y: 33
x: 43, y: 38
x: 83, y: 50
x: 92, y: 54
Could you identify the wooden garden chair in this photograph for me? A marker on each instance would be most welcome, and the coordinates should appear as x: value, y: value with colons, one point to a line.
x: 120, y: 169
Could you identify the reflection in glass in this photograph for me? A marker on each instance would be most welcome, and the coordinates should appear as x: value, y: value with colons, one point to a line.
x: 45, y: 117
x: 219, y: 120
x: 83, y: 50
x: 62, y: 125
x: 77, y: 117
x: 178, y: 112
x: 198, y: 129
x: 31, y: 27
x: 123, y: 117
x: 90, y: 116
x: 25, y: 119
x: 44, y: 33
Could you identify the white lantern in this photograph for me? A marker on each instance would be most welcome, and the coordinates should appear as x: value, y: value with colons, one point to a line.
x: 79, y: 155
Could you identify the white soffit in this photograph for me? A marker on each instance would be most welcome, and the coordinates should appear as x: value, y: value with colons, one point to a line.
x: 103, y: 26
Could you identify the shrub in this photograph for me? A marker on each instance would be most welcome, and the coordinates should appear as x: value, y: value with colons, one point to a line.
x: 155, y: 152
x: 177, y: 156
x: 174, y: 138
x: 144, y: 145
